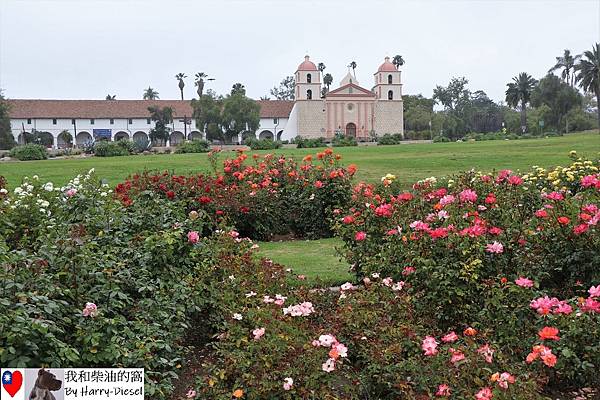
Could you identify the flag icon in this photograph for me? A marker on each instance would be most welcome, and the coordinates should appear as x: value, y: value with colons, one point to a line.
x: 12, y: 382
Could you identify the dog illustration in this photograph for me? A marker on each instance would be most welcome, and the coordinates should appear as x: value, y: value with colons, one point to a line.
x: 44, y: 384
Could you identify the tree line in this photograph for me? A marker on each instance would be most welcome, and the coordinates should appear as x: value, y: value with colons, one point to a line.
x: 551, y: 104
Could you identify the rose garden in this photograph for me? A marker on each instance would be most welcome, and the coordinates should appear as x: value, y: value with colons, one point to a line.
x: 480, y: 285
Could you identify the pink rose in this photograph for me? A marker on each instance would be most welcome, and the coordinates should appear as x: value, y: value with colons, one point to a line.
x: 258, y: 333
x: 360, y: 236
x: 193, y: 237
x: 524, y: 282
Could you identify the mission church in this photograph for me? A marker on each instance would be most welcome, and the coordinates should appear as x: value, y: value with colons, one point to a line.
x: 349, y: 110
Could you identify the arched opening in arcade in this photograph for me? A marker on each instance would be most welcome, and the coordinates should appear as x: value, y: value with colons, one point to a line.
x: 176, y: 138
x: 83, y: 138
x: 195, y: 135
x: 121, y: 135
x: 64, y: 140
x: 266, y: 134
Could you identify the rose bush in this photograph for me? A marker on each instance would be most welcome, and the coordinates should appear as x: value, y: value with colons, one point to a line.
x: 359, y: 342
x: 454, y: 237
x: 273, y: 195
x: 87, y: 281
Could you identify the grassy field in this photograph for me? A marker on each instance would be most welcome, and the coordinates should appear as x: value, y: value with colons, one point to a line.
x: 317, y: 259
x: 409, y: 162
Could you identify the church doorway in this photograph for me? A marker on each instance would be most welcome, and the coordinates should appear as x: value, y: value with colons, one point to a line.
x: 351, y: 130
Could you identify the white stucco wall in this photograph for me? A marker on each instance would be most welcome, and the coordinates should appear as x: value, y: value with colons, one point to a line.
x: 85, y: 125
x: 272, y: 125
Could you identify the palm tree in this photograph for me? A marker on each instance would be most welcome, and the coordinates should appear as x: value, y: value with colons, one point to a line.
x: 353, y: 66
x: 588, y: 74
x: 398, y: 60
x: 321, y: 67
x: 567, y: 63
x: 109, y: 97
x: 150, y: 94
x: 265, y: 97
x: 328, y: 80
x: 238, y: 88
x: 199, y: 82
x: 180, y: 77
x: 519, y: 91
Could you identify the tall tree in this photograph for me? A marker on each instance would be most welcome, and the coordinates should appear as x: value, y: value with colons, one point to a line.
x: 398, y: 61
x: 321, y: 67
x: 452, y: 96
x: 238, y: 88
x: 150, y: 94
x: 109, y: 97
x: 353, y: 66
x: 286, y: 89
x: 7, y: 140
x: 240, y: 115
x: 207, y: 114
x: 566, y: 62
x: 162, y: 118
x: 180, y: 77
x: 588, y: 74
x: 560, y: 97
x: 328, y: 80
x: 519, y: 92
x: 199, y: 82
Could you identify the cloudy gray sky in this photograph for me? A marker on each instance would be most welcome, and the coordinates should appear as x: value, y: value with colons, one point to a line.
x: 84, y: 49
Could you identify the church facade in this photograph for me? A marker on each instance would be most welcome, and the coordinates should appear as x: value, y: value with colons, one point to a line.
x: 350, y: 109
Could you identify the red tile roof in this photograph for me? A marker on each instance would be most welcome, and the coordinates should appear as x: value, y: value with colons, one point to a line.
x: 275, y: 108
x: 123, y: 108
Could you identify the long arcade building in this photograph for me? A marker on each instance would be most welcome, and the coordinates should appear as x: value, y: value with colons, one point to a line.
x: 349, y: 110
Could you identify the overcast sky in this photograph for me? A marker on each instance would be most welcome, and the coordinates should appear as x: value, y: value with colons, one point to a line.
x: 85, y: 49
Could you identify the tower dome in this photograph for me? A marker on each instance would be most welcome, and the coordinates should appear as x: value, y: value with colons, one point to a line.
x: 307, y: 65
x: 387, y: 66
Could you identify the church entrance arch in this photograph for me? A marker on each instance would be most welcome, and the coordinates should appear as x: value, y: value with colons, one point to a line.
x: 351, y: 130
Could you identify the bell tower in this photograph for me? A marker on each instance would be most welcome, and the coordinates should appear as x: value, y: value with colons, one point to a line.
x: 388, y: 86
x: 308, y: 81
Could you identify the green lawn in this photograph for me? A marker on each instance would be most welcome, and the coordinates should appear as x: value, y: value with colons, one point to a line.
x: 313, y: 258
x: 409, y: 162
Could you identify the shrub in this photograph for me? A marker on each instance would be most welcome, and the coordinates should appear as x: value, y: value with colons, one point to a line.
x: 104, y: 148
x: 441, y: 139
x: 343, y: 141
x: 271, y: 196
x: 262, y: 144
x: 458, y: 243
x: 272, y: 333
x: 61, y: 248
x: 304, y: 143
x: 29, y: 152
x: 142, y: 145
x: 389, y: 139
x: 194, y: 146
x: 417, y: 135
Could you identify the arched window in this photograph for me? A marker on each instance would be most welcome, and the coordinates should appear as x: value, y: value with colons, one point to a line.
x: 390, y: 95
x: 308, y: 78
x: 309, y: 94
x: 390, y: 79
